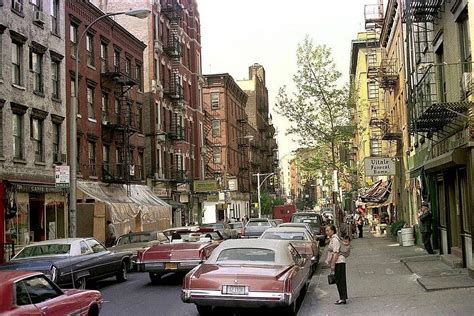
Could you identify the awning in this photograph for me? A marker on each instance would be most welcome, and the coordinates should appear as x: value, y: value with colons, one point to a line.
x: 122, y: 207
x: 379, y: 192
x: 450, y: 159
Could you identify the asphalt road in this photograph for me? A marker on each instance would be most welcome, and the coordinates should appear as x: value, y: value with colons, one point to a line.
x: 139, y: 297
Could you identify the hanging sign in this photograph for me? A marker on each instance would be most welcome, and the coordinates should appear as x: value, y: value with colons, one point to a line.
x: 379, y: 166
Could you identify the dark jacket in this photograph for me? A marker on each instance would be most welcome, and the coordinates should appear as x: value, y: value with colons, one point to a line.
x: 425, y: 222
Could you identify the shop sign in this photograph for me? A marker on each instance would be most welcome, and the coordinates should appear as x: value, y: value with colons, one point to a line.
x: 205, y: 186
x: 233, y: 184
x: 379, y: 166
x: 62, y: 176
x: 212, y: 198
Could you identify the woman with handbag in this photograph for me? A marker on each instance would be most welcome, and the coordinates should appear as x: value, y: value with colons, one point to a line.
x: 337, y: 261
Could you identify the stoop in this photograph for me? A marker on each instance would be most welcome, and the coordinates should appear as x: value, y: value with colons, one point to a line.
x: 452, y: 261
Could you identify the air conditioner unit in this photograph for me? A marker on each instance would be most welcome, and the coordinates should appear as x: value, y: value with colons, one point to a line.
x: 105, y: 122
x: 39, y: 17
x: 467, y: 84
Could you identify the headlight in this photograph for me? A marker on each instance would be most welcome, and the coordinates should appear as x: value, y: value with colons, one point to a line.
x: 54, y: 273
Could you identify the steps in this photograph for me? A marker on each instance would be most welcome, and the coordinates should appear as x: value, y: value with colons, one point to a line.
x: 452, y: 261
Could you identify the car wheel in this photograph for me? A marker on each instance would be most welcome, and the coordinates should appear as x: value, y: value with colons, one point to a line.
x: 204, y: 310
x: 155, y: 278
x: 81, y: 283
x: 291, y: 310
x: 122, y: 274
x: 93, y: 311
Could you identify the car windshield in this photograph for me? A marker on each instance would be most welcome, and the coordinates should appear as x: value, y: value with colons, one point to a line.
x: 285, y: 235
x: 259, y: 223
x: 44, y: 250
x: 236, y: 225
x: 247, y: 254
x: 194, y: 237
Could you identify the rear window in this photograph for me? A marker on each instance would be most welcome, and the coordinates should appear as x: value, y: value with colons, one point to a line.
x: 259, y: 223
x: 284, y: 235
x: 313, y: 220
x: 44, y: 250
x: 247, y: 254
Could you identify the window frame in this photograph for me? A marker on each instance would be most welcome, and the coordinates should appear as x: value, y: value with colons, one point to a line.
x: 90, y: 49
x: 56, y: 141
x: 106, y: 157
x: 90, y: 102
x: 217, y: 154
x: 73, y: 38
x: 55, y: 79
x: 105, y: 107
x: 36, y: 67
x: 92, y: 156
x: 18, y: 147
x: 215, y: 101
x: 17, y: 68
x: 216, y: 128
x: 38, y: 141
x: 54, y: 12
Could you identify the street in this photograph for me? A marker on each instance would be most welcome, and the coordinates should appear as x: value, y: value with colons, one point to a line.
x: 378, y: 284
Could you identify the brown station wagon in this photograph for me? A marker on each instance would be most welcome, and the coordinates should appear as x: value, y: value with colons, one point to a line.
x: 249, y: 273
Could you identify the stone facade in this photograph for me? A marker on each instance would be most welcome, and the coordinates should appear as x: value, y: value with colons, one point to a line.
x: 32, y: 118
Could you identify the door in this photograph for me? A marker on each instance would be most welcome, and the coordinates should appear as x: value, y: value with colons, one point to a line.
x: 452, y: 211
x: 443, y: 217
x: 464, y: 217
x: 102, y: 262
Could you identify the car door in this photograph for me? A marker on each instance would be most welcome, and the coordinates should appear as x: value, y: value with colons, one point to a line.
x: 48, y: 298
x: 301, y: 272
x: 22, y: 304
x: 104, y: 262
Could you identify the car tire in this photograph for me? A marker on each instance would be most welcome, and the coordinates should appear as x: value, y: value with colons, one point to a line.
x: 122, y: 274
x: 155, y: 278
x: 81, y: 283
x: 291, y: 310
x: 204, y: 310
x: 93, y: 311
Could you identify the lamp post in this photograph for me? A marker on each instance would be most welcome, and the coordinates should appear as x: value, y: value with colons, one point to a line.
x: 259, y: 185
x: 138, y: 13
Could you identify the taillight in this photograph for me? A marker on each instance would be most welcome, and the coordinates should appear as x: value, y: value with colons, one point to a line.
x: 288, y: 285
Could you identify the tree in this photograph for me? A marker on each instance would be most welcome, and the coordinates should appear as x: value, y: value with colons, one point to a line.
x: 319, y: 110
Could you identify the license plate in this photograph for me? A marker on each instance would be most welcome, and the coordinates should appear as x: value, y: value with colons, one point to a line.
x: 171, y: 266
x: 235, y: 290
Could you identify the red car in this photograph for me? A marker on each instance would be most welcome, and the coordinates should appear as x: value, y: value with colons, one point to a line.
x: 32, y: 293
x: 249, y: 273
x: 188, y: 247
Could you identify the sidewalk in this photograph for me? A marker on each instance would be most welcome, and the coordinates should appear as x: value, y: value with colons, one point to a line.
x: 380, y: 284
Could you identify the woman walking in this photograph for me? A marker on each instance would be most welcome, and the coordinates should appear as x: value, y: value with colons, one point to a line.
x: 337, y: 262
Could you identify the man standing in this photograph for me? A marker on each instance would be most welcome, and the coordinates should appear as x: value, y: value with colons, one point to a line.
x: 425, y: 218
x: 359, y: 221
x: 110, y: 234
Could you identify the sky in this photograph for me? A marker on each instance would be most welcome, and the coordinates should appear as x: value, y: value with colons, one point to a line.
x: 237, y: 33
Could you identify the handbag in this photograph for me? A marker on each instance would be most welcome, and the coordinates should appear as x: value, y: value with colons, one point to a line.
x: 331, y: 278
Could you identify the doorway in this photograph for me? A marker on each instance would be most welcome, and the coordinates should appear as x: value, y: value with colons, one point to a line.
x: 36, y: 218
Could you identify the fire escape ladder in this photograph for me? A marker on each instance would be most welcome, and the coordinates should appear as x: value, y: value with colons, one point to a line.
x: 210, y: 143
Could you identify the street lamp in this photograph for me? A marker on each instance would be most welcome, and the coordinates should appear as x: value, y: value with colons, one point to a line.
x: 259, y: 185
x: 137, y: 13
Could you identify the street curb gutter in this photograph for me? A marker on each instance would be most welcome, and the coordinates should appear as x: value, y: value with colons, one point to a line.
x: 420, y: 258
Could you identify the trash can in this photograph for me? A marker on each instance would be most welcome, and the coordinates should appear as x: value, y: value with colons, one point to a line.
x: 408, y: 238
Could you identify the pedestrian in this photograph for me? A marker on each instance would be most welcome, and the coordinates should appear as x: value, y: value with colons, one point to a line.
x: 110, y: 234
x: 359, y: 221
x: 337, y: 262
x: 425, y: 217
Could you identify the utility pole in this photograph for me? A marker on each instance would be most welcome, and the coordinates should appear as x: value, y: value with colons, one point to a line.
x: 259, y: 185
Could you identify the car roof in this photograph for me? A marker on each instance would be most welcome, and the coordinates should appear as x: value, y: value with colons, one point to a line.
x: 15, y: 275
x: 258, y: 219
x: 293, y: 225
x: 57, y: 241
x: 280, y: 247
x: 287, y: 229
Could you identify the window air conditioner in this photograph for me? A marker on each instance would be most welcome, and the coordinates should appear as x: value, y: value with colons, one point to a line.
x: 467, y: 84
x: 39, y: 17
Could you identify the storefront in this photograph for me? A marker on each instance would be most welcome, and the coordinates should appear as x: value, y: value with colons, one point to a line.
x: 34, y: 212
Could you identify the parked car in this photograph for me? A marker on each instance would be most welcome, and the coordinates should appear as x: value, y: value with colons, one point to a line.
x: 236, y: 228
x: 223, y: 228
x: 188, y: 248
x: 72, y: 262
x: 277, y: 221
x: 32, y: 293
x: 136, y: 241
x: 284, y: 212
x: 299, y: 225
x: 316, y: 222
x: 300, y: 238
x: 256, y: 226
x: 248, y: 273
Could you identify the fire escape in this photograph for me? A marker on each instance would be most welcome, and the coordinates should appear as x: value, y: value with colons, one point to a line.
x: 244, y: 145
x: 119, y: 129
x: 439, y: 91
x: 212, y: 169
x: 373, y: 25
x: 173, y: 89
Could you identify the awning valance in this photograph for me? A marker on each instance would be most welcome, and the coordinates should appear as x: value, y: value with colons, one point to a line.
x: 379, y: 192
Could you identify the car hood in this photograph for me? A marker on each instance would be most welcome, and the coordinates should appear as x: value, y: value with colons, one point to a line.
x: 35, y: 264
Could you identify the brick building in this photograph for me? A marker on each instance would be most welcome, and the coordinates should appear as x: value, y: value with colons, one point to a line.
x: 32, y: 126
x: 263, y: 153
x: 227, y: 143
x: 172, y: 99
x: 110, y: 125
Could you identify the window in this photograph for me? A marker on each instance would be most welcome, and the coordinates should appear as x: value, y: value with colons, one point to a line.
x: 372, y: 90
x: 158, y: 115
x: 55, y: 17
x: 55, y: 79
x: 139, y: 117
x: 465, y: 42
x: 105, y: 107
x: 90, y: 103
x: 16, y: 63
x: 247, y: 254
x: 155, y: 69
x: 180, y: 164
x: 40, y: 289
x: 36, y: 135
x: 138, y: 76
x: 103, y: 57
x: 116, y: 60
x: 92, y: 157
x: 155, y: 27
x: 106, y: 157
x: 1, y: 132
x: 56, y: 142
x: 84, y: 248
x: 21, y: 294
x: 73, y: 39
x: 441, y: 75
x: 18, y: 135
x: 216, y: 128
x: 90, y: 49
x: 17, y: 6
x: 36, y: 4
x: 158, y: 161
x: 140, y: 167
x: 214, y: 100
x: 117, y: 110
x: 36, y: 66
x: 216, y: 154
x: 95, y: 246
x: 128, y: 66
